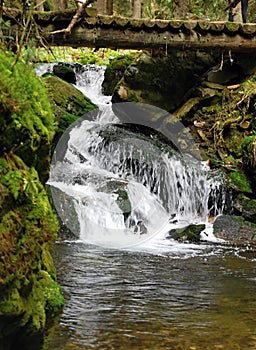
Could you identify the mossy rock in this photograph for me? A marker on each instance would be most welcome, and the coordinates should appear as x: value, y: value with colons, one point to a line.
x: 114, y: 72
x: 235, y: 229
x: 162, y: 80
x: 64, y: 72
x: 27, y: 226
x: 249, y: 151
x: 233, y: 140
x: 240, y: 182
x: 66, y: 99
x: 191, y: 233
x: 24, y: 317
x: 246, y: 207
x: 68, y: 104
x: 27, y: 221
x: 27, y: 121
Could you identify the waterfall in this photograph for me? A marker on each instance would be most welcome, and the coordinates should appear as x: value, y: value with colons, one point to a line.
x: 117, y: 186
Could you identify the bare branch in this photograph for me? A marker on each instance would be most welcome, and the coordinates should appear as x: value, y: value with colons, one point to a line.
x: 81, y: 5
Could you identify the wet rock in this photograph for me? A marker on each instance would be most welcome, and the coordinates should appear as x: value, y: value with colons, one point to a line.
x: 162, y: 81
x: 246, y: 207
x: 114, y: 186
x: 114, y: 72
x: 234, y: 229
x: 190, y: 233
x: 65, y: 72
x: 239, y: 182
x: 68, y: 104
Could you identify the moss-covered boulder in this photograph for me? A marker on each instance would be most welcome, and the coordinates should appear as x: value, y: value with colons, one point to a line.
x: 114, y: 72
x: 246, y: 207
x: 65, y: 72
x: 28, y: 287
x: 240, y: 182
x: 235, y: 230
x: 27, y: 275
x: 249, y: 159
x: 27, y: 121
x: 190, y: 233
x: 161, y: 80
x: 68, y: 104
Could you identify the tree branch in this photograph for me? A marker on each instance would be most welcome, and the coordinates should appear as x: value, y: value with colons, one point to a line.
x: 81, y: 5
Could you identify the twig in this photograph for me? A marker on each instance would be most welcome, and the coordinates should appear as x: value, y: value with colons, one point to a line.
x: 22, y: 38
x: 81, y: 5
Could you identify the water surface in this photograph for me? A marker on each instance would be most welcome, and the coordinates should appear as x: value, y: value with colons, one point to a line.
x: 182, y: 299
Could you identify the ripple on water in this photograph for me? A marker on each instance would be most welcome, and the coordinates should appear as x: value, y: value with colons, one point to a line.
x: 117, y: 299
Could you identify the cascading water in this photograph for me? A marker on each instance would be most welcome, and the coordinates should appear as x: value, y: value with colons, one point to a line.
x: 118, y: 187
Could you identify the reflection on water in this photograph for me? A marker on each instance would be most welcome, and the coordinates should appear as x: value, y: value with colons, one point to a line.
x: 140, y: 300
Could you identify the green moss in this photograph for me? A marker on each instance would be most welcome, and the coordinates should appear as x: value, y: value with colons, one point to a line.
x: 241, y: 219
x: 47, y: 263
x: 53, y: 297
x: 232, y: 26
x: 239, y: 180
x: 67, y: 102
x: 233, y: 139
x: 44, y: 298
x: 27, y: 221
x: 66, y: 98
x: 27, y: 118
x: 249, y: 151
x: 114, y: 72
x: 248, y: 203
x: 191, y: 233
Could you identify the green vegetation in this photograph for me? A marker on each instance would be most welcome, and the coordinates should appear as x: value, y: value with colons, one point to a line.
x: 239, y: 180
x: 68, y: 104
x: 27, y: 223
x: 115, y: 70
x: 190, y: 233
x: 27, y: 123
x: 84, y: 55
x: 249, y: 151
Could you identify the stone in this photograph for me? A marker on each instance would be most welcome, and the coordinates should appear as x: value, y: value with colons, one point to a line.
x: 65, y: 72
x: 190, y: 233
x: 234, y: 229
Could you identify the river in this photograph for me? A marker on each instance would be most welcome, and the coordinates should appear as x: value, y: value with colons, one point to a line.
x: 195, y: 298
x: 160, y: 294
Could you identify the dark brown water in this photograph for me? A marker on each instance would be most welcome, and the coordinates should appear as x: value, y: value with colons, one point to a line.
x: 200, y: 299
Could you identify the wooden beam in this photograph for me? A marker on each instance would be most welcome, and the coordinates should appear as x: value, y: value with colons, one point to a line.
x: 93, y: 30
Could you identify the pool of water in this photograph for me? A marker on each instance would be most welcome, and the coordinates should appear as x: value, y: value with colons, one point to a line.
x: 185, y: 297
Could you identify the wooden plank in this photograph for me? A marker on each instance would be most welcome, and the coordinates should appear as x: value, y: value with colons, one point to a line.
x: 139, y: 39
x: 127, y: 33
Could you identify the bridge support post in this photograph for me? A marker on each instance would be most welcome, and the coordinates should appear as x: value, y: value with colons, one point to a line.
x: 109, y: 7
x: 100, y: 6
x: 136, y: 8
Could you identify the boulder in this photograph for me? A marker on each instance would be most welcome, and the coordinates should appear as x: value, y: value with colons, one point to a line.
x: 162, y: 81
x: 190, y: 233
x: 68, y: 104
x: 65, y: 72
x: 234, y: 229
x: 246, y: 207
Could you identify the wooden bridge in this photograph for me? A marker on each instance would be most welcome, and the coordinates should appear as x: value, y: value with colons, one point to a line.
x: 100, y: 31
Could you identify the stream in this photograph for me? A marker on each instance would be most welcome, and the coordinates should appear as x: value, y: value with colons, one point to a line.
x: 198, y: 299
x: 127, y: 283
